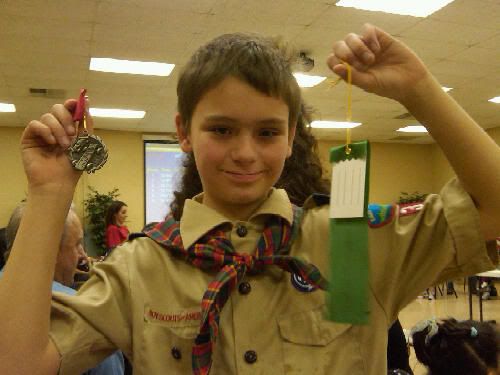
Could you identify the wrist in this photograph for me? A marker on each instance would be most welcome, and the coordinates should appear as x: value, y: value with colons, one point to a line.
x: 421, y: 93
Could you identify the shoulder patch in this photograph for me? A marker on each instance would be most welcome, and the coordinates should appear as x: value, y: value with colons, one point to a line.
x: 408, y: 209
x: 380, y: 214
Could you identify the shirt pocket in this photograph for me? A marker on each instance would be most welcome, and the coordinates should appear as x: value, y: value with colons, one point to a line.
x: 167, y: 344
x: 314, y: 345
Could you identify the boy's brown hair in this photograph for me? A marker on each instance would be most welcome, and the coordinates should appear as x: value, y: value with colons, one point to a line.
x: 263, y: 63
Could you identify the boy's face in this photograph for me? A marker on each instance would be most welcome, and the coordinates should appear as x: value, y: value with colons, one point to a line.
x: 240, y: 140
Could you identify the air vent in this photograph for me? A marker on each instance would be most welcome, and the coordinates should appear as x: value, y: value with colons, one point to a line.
x: 404, y: 138
x: 48, y: 93
x: 404, y: 116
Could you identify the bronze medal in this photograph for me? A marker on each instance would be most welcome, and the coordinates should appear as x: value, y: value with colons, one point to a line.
x: 88, y: 153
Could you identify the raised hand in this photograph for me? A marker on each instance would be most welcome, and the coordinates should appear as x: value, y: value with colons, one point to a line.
x: 44, y: 145
x: 380, y: 64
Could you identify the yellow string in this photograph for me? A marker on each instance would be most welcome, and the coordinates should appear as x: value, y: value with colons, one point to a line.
x: 333, y: 83
x: 349, y: 107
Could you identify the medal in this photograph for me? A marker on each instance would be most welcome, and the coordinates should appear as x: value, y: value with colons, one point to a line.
x: 87, y: 152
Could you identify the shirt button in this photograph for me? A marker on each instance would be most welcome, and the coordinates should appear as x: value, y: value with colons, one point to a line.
x: 244, y: 288
x: 250, y: 356
x: 241, y: 230
x: 176, y: 353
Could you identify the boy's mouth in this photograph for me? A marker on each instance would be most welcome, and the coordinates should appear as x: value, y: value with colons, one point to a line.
x: 243, y: 176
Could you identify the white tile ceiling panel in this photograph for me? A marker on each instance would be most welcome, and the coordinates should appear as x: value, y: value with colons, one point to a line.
x: 40, y: 47
x: 484, y: 13
x: 430, y: 29
x: 478, y: 56
x: 431, y: 51
x: 76, y: 10
x: 57, y: 27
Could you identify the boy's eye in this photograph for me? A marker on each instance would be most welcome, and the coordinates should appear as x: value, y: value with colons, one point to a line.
x: 268, y: 133
x: 220, y: 130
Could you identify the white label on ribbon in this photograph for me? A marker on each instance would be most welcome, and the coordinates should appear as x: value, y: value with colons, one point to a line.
x: 347, y: 197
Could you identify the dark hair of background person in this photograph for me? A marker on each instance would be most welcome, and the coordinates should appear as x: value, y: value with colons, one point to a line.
x: 112, y: 210
x: 301, y: 177
x: 453, y: 351
x: 263, y: 63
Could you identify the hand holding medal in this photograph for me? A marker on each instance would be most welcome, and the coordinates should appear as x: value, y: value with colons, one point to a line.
x: 87, y: 152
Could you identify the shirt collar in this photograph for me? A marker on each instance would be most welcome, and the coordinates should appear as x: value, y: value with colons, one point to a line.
x: 197, y: 219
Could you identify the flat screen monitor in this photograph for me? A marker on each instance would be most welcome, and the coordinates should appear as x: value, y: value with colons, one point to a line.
x: 162, y: 174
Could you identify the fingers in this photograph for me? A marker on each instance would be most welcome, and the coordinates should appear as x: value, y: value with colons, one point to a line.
x: 63, y: 115
x: 70, y: 105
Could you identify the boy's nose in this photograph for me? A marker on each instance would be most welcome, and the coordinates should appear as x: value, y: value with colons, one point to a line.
x: 244, y: 149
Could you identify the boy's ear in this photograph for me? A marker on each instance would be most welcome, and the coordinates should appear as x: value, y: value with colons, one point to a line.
x: 291, y: 137
x: 184, y: 140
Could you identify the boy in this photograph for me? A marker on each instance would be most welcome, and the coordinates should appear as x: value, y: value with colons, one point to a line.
x: 238, y: 104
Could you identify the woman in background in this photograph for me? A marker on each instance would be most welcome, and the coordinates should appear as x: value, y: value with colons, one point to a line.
x: 116, y: 231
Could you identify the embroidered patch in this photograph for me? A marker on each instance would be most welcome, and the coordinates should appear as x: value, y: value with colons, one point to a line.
x: 300, y: 284
x: 410, y: 208
x: 380, y: 214
x: 173, y: 318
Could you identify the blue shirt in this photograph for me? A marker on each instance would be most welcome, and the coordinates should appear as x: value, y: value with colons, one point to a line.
x: 112, y: 365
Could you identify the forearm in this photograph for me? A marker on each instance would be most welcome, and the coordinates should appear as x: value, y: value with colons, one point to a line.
x: 474, y: 156
x: 26, y: 285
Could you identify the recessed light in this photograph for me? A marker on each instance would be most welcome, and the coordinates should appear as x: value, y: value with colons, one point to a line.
x: 130, y: 67
x: 306, y: 80
x: 446, y: 89
x: 116, y: 113
x: 334, y: 124
x: 416, y: 8
x: 5, y: 107
x: 496, y: 99
x: 413, y: 129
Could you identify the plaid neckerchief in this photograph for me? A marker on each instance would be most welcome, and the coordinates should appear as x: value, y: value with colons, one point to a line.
x: 214, y: 252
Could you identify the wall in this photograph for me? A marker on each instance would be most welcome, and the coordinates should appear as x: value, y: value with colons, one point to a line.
x: 394, y: 168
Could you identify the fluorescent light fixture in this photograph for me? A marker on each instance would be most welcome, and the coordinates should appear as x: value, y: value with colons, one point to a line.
x: 496, y: 99
x: 413, y: 129
x: 306, y: 80
x: 5, y: 107
x: 334, y: 124
x: 116, y: 113
x: 130, y: 67
x: 416, y: 8
x: 446, y: 89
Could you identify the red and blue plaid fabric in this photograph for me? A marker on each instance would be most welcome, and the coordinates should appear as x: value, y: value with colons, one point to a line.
x: 215, y: 252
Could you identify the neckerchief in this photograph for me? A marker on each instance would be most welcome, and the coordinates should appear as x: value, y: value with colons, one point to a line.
x: 214, y: 252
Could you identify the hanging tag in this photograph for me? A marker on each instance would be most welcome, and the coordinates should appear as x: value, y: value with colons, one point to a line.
x: 348, y: 297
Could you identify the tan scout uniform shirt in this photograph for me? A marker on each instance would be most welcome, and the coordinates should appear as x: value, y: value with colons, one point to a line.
x: 145, y: 302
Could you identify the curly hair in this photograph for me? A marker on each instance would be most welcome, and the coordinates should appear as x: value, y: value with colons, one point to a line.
x: 459, y: 348
x: 302, y: 174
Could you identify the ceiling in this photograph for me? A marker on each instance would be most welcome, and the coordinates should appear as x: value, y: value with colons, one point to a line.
x: 48, y: 44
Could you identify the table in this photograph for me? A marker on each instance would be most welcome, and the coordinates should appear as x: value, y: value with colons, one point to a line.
x: 494, y: 274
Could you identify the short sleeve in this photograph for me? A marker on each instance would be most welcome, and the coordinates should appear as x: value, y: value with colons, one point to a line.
x: 440, y: 242
x: 88, y: 327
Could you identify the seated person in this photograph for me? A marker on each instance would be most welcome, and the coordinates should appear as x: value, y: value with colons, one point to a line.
x: 456, y: 347
x: 71, y: 252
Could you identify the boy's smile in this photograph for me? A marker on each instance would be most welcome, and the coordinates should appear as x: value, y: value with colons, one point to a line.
x: 240, y: 139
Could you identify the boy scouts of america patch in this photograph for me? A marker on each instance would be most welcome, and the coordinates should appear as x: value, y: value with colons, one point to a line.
x: 300, y: 284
